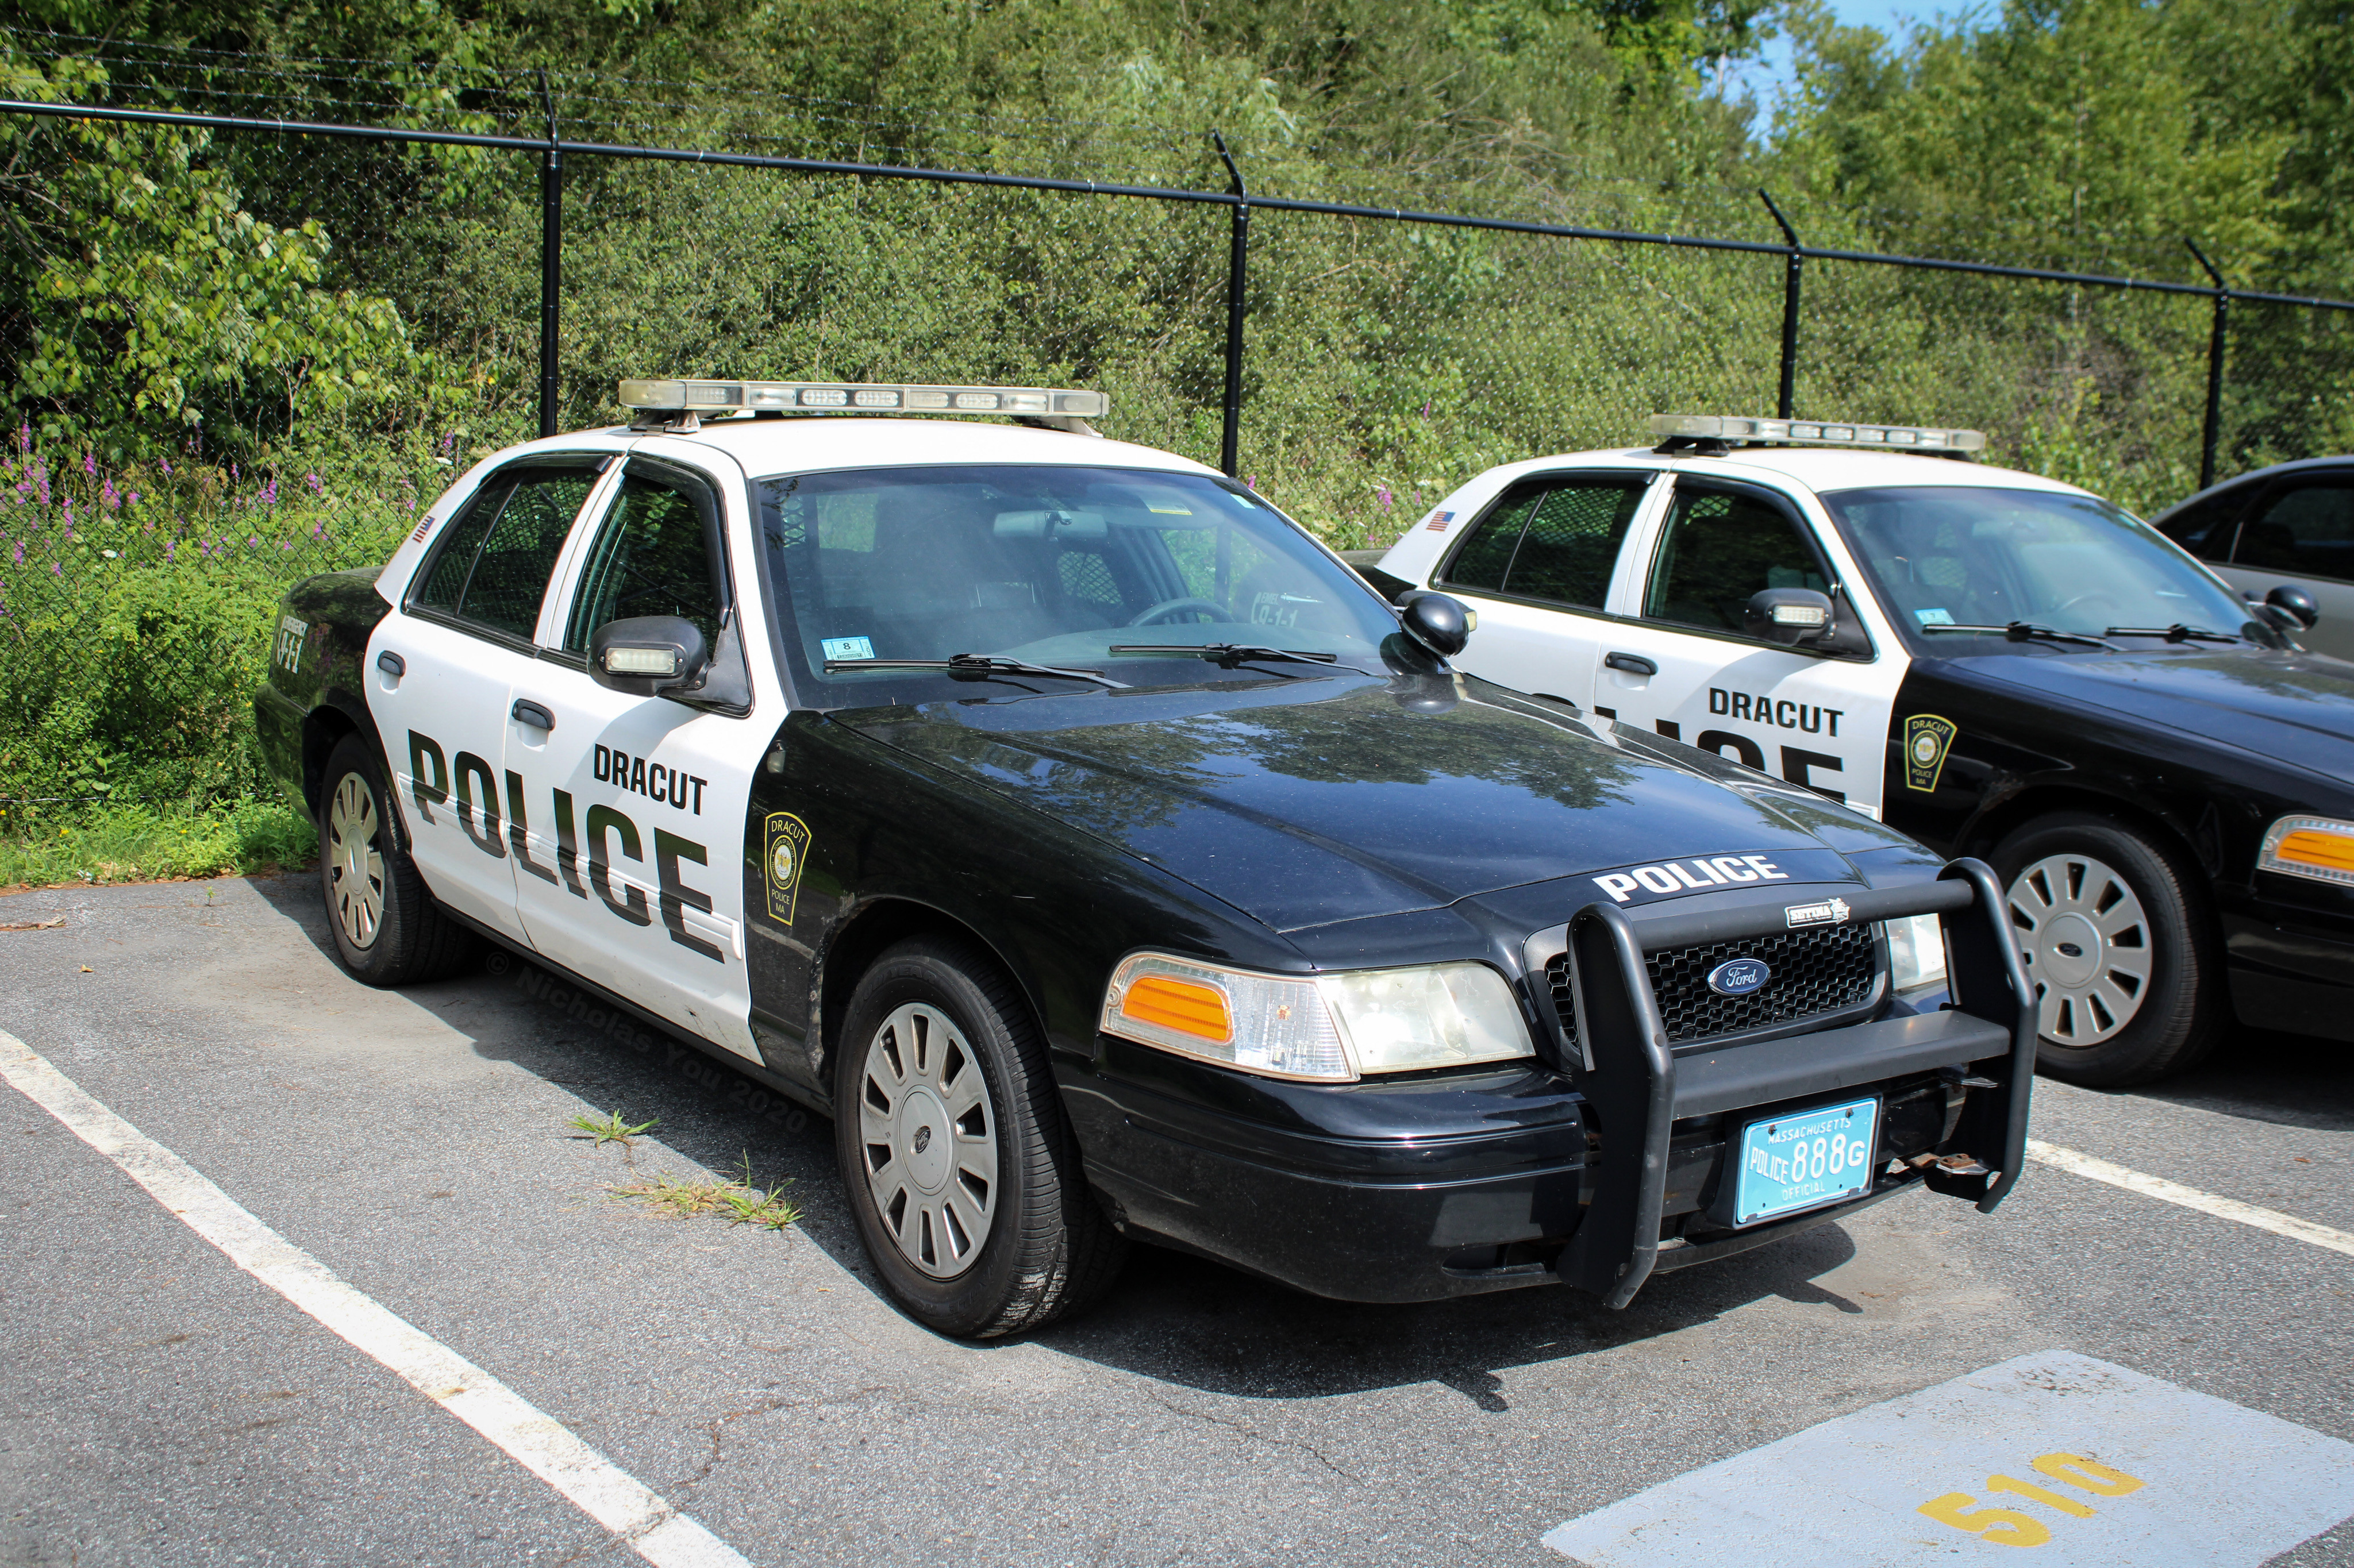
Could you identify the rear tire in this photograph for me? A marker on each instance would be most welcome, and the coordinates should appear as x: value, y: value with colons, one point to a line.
x: 2117, y: 938
x: 960, y: 1167
x: 389, y: 931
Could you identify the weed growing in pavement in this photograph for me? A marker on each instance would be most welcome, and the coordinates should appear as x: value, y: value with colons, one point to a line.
x: 609, y: 1128
x: 736, y: 1200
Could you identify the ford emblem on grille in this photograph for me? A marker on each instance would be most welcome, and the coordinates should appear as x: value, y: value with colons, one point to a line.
x: 1739, y: 976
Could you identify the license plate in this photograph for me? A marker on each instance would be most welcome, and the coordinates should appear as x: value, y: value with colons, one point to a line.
x: 1806, y: 1159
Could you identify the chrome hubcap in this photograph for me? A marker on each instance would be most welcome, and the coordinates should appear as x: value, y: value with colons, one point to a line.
x: 2087, y: 946
x: 928, y: 1139
x: 354, y: 862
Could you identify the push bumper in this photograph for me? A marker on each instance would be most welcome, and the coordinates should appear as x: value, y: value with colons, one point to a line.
x: 1416, y: 1192
x: 1637, y: 1083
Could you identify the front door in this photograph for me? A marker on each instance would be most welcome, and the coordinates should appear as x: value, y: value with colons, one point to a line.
x: 2302, y: 532
x: 629, y: 821
x: 459, y: 641
x: 1685, y: 665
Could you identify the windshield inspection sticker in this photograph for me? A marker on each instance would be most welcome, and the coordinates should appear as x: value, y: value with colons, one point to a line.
x: 2096, y: 1465
x: 847, y: 647
x: 786, y: 841
x: 1927, y: 738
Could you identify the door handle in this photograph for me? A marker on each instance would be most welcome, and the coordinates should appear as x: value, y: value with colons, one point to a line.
x: 392, y: 663
x: 532, y: 714
x: 1633, y: 663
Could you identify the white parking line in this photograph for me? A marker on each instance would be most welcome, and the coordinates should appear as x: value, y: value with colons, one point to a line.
x: 2271, y: 1220
x: 540, y: 1443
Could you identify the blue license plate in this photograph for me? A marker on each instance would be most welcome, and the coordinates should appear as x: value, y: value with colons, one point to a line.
x: 1806, y: 1159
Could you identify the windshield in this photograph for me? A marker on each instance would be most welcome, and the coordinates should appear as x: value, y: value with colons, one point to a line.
x: 1050, y: 565
x: 1977, y: 555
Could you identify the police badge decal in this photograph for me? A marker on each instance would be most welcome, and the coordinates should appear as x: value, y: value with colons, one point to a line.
x: 1927, y: 738
x: 787, y: 841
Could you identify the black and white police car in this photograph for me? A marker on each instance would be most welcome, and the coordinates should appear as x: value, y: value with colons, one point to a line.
x: 1997, y: 663
x: 1107, y: 859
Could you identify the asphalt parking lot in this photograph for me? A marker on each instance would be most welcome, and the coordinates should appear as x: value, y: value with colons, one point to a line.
x: 159, y: 1405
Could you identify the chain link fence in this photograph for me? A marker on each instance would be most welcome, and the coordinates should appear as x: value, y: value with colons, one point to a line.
x: 241, y: 350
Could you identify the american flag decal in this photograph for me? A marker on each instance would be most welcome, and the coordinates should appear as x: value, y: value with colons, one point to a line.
x: 1439, y: 520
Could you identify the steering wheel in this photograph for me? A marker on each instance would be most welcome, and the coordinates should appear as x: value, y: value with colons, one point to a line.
x: 2101, y: 593
x: 1168, y: 606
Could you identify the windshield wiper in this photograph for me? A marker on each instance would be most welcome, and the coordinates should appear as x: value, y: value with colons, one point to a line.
x: 2027, y: 631
x: 2178, y: 632
x: 976, y: 664
x: 1230, y: 654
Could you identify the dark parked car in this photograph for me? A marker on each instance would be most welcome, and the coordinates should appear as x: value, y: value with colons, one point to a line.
x: 2290, y: 524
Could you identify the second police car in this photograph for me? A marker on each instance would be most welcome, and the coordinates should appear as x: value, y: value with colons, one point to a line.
x: 1997, y: 663
x: 1108, y: 861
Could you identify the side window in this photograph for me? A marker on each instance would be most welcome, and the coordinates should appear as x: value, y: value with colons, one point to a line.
x: 1551, y: 539
x: 657, y: 553
x: 1719, y: 549
x: 2309, y: 530
x: 494, y: 560
x: 2205, y: 529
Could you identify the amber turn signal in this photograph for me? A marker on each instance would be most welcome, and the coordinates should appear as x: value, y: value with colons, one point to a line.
x: 1185, y: 1006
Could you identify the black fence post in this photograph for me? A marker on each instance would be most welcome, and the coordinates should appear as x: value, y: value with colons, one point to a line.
x: 2212, y: 433
x: 1794, y: 268
x: 1237, y: 278
x: 551, y: 259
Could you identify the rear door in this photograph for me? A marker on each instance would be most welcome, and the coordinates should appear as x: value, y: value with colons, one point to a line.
x: 630, y: 821
x: 1681, y: 662
x: 459, y: 641
x: 1538, y: 566
x: 2302, y: 532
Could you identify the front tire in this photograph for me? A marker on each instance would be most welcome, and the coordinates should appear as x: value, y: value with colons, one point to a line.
x: 388, y: 930
x: 2114, y: 930
x: 959, y: 1165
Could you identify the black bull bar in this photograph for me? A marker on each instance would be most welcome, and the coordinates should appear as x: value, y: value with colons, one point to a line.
x: 1637, y: 1081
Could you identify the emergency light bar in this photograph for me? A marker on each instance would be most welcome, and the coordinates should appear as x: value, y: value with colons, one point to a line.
x: 1808, y: 432
x: 857, y: 396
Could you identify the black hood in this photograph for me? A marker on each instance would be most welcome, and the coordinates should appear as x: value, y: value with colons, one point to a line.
x: 1321, y: 800
x: 2268, y: 702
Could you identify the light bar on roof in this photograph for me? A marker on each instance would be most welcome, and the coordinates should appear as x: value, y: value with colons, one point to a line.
x: 1818, y: 433
x: 860, y: 396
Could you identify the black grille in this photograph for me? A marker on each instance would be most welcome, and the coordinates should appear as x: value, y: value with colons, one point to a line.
x: 1814, y: 973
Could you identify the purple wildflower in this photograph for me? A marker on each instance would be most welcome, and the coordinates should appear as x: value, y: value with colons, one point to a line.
x: 55, y: 570
x: 270, y: 492
x: 90, y: 463
x: 1383, y: 491
x: 166, y: 465
x: 21, y: 552
x: 318, y: 486
x: 172, y: 549
x: 107, y: 496
x: 132, y: 499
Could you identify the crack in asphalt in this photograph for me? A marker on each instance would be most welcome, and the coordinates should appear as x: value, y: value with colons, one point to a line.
x: 1247, y: 1430
x: 711, y: 1428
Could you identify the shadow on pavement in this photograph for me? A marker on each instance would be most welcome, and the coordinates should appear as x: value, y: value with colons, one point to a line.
x: 1171, y: 1317
x: 2292, y: 1080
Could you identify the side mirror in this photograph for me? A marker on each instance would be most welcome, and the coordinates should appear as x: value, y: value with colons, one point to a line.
x: 1789, y: 617
x: 648, y: 655
x: 2297, y: 602
x: 1439, y: 623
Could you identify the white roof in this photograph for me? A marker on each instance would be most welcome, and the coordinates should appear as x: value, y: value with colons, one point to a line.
x: 1818, y: 469
x: 837, y: 441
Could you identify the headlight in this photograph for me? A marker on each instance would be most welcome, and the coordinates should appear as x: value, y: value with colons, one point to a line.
x: 1327, y: 1029
x: 2317, y: 847
x: 1917, y: 952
